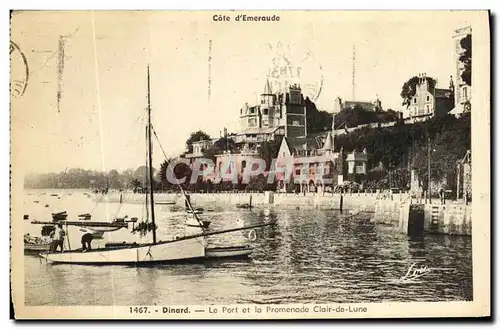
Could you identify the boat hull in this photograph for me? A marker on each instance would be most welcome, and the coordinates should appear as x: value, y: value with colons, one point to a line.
x: 217, y: 252
x: 225, y: 252
x: 171, y: 251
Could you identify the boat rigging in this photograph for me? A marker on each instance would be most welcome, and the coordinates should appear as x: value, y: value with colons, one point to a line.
x: 180, y: 249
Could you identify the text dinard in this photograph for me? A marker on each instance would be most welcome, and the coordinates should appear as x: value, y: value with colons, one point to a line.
x: 245, y: 18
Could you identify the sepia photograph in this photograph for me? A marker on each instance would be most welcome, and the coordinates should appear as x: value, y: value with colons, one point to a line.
x: 249, y: 164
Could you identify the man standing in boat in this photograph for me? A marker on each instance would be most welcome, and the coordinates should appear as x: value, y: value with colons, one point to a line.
x: 58, y: 237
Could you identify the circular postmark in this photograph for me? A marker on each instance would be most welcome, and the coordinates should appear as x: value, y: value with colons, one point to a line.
x: 19, y: 71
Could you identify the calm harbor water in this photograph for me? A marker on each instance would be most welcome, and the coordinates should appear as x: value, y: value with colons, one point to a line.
x: 309, y: 256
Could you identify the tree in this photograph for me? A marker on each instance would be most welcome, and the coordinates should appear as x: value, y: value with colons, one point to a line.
x: 446, y: 149
x: 113, y: 179
x: 223, y: 144
x: 195, y: 137
x: 162, y: 175
x: 410, y: 88
x: 257, y: 183
x: 399, y: 178
x: 181, y: 170
x: 466, y: 58
x: 269, y: 150
x: 142, y: 174
x: 387, y: 116
x: 317, y: 120
x: 136, y: 184
x: 356, y: 116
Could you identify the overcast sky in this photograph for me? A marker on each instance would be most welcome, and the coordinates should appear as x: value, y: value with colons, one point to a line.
x: 103, y: 85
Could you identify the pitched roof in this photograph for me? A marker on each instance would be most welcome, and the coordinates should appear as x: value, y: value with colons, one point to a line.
x: 328, y: 146
x: 309, y: 143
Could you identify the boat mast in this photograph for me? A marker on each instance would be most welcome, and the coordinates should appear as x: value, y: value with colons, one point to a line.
x: 150, y: 154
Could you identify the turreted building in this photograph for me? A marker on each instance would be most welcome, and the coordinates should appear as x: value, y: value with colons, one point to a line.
x: 430, y: 101
x: 278, y: 114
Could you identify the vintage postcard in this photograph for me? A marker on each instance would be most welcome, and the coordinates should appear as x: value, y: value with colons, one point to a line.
x: 250, y: 164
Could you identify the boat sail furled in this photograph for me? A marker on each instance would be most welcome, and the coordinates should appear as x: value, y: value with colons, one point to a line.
x: 183, y: 249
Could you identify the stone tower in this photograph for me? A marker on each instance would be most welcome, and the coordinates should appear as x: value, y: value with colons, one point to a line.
x: 295, y: 113
x: 268, y: 107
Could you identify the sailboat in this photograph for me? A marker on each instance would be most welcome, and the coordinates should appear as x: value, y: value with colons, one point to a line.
x: 188, y: 248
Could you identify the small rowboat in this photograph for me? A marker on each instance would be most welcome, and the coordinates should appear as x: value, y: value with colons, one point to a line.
x: 59, y: 215
x: 224, y: 252
x: 84, y: 216
x: 196, y: 211
x: 210, y: 253
x: 192, y: 222
x: 165, y: 203
x: 36, y: 244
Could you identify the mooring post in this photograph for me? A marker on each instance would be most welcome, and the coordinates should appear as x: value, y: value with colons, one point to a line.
x: 341, y: 201
x: 186, y: 202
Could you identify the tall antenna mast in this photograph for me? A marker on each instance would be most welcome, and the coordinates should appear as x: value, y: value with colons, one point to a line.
x: 353, y: 71
x: 150, y: 158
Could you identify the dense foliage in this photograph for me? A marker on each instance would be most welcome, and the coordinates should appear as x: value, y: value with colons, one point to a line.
x: 89, y: 179
x: 269, y: 150
x: 195, y: 137
x: 410, y: 88
x: 393, y: 152
x: 466, y: 58
x: 406, y: 146
x: 318, y: 121
x: 358, y: 116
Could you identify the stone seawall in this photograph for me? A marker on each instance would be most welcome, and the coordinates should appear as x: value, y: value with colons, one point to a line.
x: 351, y: 201
x: 448, y: 219
x: 453, y: 219
x: 389, y: 210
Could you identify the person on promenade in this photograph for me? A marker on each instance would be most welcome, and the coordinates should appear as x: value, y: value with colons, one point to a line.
x: 58, y: 237
x: 441, y: 195
x: 86, y: 242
